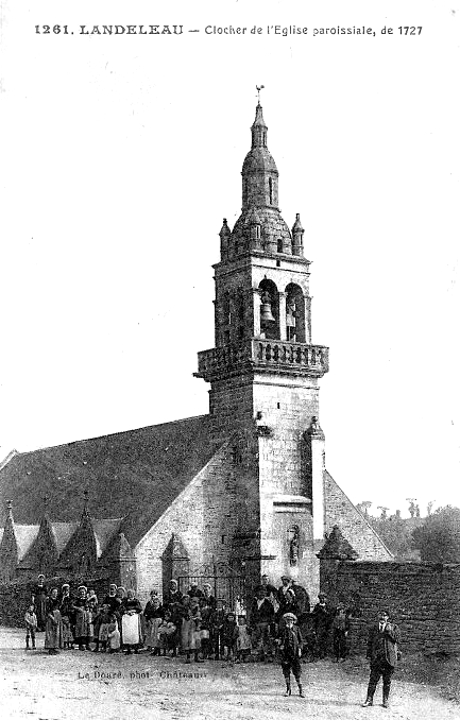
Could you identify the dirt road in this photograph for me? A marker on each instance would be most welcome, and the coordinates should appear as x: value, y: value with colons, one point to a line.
x: 83, y: 685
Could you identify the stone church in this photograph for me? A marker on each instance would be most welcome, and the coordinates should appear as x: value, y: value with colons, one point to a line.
x: 228, y: 496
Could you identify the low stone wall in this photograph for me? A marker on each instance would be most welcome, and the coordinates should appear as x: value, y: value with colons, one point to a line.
x: 423, y: 600
x: 15, y: 597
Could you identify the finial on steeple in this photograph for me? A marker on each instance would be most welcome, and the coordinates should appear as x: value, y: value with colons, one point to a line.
x: 259, y: 88
x: 225, y: 230
x: 297, y: 236
x: 9, y: 509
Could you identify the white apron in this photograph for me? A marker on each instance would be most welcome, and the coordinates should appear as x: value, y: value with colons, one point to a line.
x: 130, y: 629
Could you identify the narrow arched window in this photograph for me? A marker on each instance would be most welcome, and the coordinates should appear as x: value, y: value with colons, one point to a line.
x: 270, y: 188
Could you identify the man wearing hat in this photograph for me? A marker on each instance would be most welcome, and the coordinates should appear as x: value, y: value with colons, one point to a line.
x: 302, y: 598
x: 291, y: 643
x: 262, y: 616
x: 382, y: 652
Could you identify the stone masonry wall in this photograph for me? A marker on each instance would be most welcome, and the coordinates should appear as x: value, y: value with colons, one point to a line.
x: 204, y: 516
x: 423, y: 600
x: 287, y: 406
x: 339, y: 511
x: 231, y: 405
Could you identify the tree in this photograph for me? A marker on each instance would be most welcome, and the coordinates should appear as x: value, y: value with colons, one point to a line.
x: 438, y: 538
x: 396, y: 534
x: 363, y: 507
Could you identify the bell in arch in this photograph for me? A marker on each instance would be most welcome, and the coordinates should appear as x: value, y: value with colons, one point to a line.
x: 266, y: 308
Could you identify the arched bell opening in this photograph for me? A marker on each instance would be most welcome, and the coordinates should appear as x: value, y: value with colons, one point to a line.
x: 269, y: 310
x: 295, y: 314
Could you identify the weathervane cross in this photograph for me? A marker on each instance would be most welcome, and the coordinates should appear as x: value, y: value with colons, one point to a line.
x: 259, y: 88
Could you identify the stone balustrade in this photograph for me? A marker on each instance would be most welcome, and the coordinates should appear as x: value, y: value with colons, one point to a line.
x: 263, y: 355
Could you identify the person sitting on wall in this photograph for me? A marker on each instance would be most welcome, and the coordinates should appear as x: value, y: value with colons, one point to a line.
x: 382, y: 651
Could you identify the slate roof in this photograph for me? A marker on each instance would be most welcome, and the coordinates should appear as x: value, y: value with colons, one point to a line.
x: 104, y: 530
x: 25, y: 536
x: 63, y: 533
x: 134, y: 475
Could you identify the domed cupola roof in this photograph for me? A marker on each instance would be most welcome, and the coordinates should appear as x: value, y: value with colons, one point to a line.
x: 259, y: 159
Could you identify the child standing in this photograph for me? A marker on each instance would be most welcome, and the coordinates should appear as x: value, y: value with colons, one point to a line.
x: 105, y: 622
x: 229, y: 634
x: 291, y: 644
x: 243, y: 641
x: 113, y: 634
x: 31, y: 626
x: 166, y: 634
x: 340, y: 627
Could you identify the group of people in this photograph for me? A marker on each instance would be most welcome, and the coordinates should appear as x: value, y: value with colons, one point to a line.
x: 278, y: 625
x: 81, y: 620
x: 324, y: 628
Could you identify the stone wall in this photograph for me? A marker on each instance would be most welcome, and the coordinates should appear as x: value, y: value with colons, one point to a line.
x: 423, y: 600
x: 340, y: 511
x: 204, y: 517
x: 286, y: 406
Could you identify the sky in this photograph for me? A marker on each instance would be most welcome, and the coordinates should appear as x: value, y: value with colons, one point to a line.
x: 120, y: 155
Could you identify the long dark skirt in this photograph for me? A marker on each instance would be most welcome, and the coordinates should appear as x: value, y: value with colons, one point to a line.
x: 53, y: 631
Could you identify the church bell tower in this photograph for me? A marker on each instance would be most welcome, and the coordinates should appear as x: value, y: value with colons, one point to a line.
x: 264, y: 372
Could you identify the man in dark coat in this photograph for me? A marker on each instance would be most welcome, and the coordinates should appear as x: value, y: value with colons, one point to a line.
x: 262, y: 616
x: 291, y: 643
x: 270, y: 591
x: 322, y: 619
x: 382, y: 652
x: 301, y: 596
